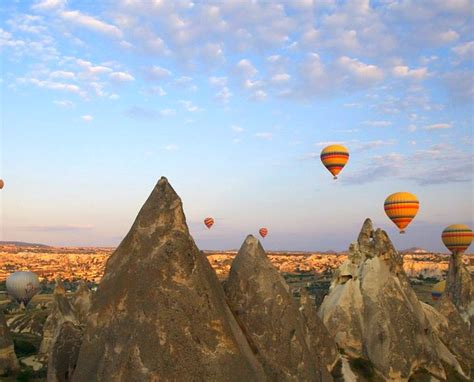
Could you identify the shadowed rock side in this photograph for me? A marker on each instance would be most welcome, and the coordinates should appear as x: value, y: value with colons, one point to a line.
x: 160, y: 312
x: 64, y: 353
x: 261, y: 300
x: 460, y: 289
x: 375, y: 315
x: 8, y: 360
x: 317, y: 334
x: 61, y: 311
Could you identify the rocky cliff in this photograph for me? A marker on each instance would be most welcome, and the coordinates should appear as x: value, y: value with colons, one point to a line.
x: 374, y: 314
x: 8, y: 360
x: 160, y: 312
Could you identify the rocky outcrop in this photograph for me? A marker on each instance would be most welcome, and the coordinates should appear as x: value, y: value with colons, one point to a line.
x: 317, y: 334
x: 8, y: 360
x: 374, y: 314
x: 81, y: 302
x: 460, y: 289
x: 160, y: 312
x: 64, y: 353
x: 61, y: 311
x: 263, y: 305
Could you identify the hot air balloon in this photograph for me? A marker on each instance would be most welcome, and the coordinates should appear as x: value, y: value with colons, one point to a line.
x: 401, y: 208
x: 209, y: 222
x: 263, y: 232
x: 22, y: 286
x: 438, y: 290
x: 2, y: 183
x: 457, y: 237
x: 334, y: 158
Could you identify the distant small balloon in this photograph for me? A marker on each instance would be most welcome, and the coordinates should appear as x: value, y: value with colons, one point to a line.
x: 22, y: 286
x: 263, y: 232
x: 401, y: 208
x: 209, y: 222
x: 438, y: 290
x: 334, y: 158
x: 2, y: 184
x: 457, y: 238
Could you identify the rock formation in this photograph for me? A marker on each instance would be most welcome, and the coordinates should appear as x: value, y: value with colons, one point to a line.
x: 159, y: 312
x: 81, y: 302
x: 374, y: 314
x: 8, y: 360
x: 64, y: 353
x: 460, y: 289
x: 263, y: 305
x: 61, y: 311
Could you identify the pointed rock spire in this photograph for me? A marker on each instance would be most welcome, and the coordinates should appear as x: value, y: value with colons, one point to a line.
x: 261, y: 300
x: 8, y: 361
x: 160, y: 312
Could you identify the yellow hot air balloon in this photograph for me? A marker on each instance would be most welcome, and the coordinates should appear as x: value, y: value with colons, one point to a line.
x: 438, y: 290
x: 334, y: 158
x: 457, y: 238
x: 401, y: 208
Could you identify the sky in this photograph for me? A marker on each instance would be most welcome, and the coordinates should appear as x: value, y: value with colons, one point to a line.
x: 233, y: 102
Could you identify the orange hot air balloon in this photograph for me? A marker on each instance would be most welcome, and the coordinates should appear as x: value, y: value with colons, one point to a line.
x: 334, y: 158
x: 263, y: 232
x: 2, y: 183
x: 209, y: 222
x: 457, y: 238
x: 401, y: 208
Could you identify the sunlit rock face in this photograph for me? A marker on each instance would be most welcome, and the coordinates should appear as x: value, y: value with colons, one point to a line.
x: 374, y: 314
x: 460, y: 289
x: 263, y: 305
x: 8, y: 360
x: 159, y: 313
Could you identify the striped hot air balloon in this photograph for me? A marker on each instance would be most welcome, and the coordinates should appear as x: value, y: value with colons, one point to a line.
x: 438, y: 290
x: 263, y: 232
x: 457, y: 238
x: 401, y: 208
x: 334, y: 158
x: 2, y: 183
x: 209, y: 222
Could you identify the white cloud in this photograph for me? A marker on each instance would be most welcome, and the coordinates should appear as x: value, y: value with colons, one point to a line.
x: 121, y: 77
x: 378, y: 123
x: 218, y: 81
x: 62, y: 74
x: 364, y: 73
x: 280, y: 77
x: 87, y: 118
x: 171, y: 147
x: 89, y: 22
x: 224, y: 94
x: 264, y: 135
x: 439, y: 126
x: 189, y: 106
x: 64, y: 103
x: 406, y: 72
x: 237, y: 129
x: 465, y: 50
x: 246, y: 68
x: 47, y: 5
x: 167, y: 112
x: 157, y: 90
x: 157, y: 72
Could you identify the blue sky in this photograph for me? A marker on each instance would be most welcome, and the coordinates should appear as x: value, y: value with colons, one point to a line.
x: 233, y: 102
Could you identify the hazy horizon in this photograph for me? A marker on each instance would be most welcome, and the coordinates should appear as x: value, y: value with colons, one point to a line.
x: 233, y: 102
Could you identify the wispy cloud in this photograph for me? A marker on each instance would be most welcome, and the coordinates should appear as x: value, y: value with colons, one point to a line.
x: 58, y: 228
x: 92, y: 23
x: 87, y: 118
x: 264, y: 135
x: 438, y: 126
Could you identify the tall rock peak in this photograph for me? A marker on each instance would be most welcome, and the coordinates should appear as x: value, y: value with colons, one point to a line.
x: 262, y: 302
x: 374, y: 314
x: 8, y: 361
x: 160, y: 312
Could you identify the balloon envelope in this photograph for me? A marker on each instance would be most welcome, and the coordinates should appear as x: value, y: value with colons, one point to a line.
x: 401, y: 208
x: 457, y: 237
x: 334, y: 158
x: 22, y: 286
x: 438, y: 290
x: 263, y: 232
x: 2, y: 183
x: 209, y: 222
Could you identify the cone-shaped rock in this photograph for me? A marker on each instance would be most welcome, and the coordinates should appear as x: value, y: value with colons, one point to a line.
x: 374, y: 314
x: 317, y: 334
x: 159, y: 313
x: 460, y: 289
x: 81, y: 301
x: 64, y: 353
x: 8, y: 360
x: 61, y: 311
x: 261, y: 300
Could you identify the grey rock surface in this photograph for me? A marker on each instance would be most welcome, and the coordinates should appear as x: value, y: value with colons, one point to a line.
x: 262, y: 302
x: 375, y: 315
x: 8, y: 359
x: 160, y: 312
